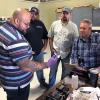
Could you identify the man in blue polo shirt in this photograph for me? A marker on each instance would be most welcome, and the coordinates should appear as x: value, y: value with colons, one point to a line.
x: 16, y: 66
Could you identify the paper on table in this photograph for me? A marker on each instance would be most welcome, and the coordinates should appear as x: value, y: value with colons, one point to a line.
x: 87, y: 89
x: 86, y: 93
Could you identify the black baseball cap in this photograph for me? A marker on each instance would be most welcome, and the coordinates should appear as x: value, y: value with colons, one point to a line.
x: 35, y: 10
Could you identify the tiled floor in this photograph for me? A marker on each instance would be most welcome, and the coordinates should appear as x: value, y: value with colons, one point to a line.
x: 35, y: 91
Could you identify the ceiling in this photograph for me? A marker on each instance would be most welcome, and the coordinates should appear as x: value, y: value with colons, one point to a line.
x: 41, y: 0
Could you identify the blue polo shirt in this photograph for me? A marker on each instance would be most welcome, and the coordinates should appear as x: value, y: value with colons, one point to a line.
x: 13, y: 48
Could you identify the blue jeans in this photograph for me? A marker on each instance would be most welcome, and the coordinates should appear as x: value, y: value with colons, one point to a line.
x: 20, y: 94
x: 53, y: 70
x: 39, y: 73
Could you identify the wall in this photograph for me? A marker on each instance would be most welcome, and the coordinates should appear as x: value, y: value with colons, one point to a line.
x: 47, y: 9
x: 8, y: 6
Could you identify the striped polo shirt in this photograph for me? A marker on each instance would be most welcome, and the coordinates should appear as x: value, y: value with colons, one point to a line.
x: 13, y: 48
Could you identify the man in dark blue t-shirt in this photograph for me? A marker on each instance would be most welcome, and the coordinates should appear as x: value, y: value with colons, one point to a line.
x: 37, y: 37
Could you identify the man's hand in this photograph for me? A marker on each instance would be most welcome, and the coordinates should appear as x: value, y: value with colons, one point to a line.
x: 31, y: 66
x: 33, y: 52
x: 80, y: 68
x: 53, y: 51
x: 99, y: 75
x: 42, y: 65
x: 52, y: 61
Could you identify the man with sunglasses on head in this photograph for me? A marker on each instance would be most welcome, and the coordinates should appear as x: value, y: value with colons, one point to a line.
x: 37, y: 37
x: 61, y: 36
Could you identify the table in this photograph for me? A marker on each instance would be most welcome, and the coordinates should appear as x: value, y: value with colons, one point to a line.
x: 51, y: 90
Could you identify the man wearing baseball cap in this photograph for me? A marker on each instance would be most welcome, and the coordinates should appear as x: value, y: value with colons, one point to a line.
x: 37, y: 37
x: 65, y: 9
x: 61, y: 36
x: 34, y: 10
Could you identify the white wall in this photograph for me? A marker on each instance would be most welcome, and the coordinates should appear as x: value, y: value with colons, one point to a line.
x: 47, y: 10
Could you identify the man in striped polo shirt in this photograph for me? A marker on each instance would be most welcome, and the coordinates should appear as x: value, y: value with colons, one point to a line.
x: 16, y: 66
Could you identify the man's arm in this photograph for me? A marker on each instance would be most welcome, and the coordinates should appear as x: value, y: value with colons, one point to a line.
x: 74, y: 53
x: 76, y: 31
x: 74, y: 59
x: 51, y: 45
x: 32, y: 66
x: 45, y: 42
x: 44, y: 38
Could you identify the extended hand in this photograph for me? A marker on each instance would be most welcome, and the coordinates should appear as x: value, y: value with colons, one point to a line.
x: 80, y: 68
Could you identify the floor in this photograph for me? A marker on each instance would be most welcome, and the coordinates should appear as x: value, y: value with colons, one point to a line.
x: 35, y: 90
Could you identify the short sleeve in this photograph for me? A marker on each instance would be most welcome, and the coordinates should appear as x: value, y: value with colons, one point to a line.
x: 19, y: 50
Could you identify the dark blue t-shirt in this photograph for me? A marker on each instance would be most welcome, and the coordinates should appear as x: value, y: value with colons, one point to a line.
x: 35, y: 34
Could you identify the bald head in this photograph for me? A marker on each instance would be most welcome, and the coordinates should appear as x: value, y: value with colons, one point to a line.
x: 21, y: 19
x: 19, y: 13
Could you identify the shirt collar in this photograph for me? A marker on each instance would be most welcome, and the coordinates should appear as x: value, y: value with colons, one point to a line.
x: 10, y: 24
x: 64, y: 23
x: 86, y: 40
